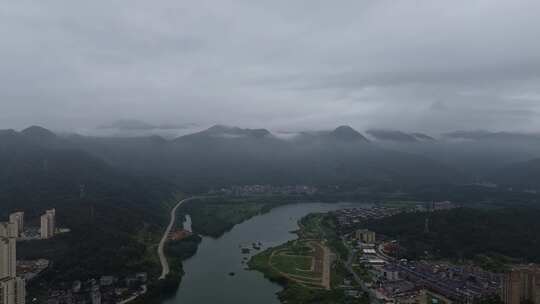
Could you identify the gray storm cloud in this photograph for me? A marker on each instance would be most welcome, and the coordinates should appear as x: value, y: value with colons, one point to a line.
x: 413, y: 65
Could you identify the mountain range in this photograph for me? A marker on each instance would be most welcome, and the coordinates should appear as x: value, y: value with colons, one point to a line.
x: 224, y: 155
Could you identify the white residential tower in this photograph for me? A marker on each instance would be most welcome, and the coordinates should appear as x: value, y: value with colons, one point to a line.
x: 48, y: 224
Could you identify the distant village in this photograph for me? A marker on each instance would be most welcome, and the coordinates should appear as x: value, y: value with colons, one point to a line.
x: 249, y: 190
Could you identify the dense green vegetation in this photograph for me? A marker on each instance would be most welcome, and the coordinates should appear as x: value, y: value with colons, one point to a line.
x: 160, y: 290
x: 205, y: 160
x: 199, y: 162
x: 261, y: 262
x: 363, y: 273
x: 468, y: 233
x: 296, y: 294
x: 298, y: 265
x: 177, y: 252
x: 215, y: 216
x: 113, y: 215
x: 183, y: 249
x: 322, y: 226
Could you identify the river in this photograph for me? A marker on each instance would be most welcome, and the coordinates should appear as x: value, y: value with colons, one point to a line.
x: 207, y: 279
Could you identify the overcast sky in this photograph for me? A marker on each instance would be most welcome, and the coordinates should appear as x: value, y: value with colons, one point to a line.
x: 283, y: 64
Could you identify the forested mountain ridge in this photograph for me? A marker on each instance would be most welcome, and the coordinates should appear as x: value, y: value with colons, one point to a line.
x: 466, y: 233
x: 101, y: 205
x: 224, y: 156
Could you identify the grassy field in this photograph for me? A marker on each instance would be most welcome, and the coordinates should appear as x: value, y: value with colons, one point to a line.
x: 301, y: 287
x: 322, y: 227
x: 298, y: 266
x: 294, y: 261
x: 311, y: 226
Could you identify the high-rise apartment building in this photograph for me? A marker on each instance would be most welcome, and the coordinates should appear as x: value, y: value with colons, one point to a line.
x: 8, y: 252
x: 365, y: 236
x: 12, y: 288
x: 48, y: 224
x: 521, y: 284
x: 12, y: 291
x: 17, y: 218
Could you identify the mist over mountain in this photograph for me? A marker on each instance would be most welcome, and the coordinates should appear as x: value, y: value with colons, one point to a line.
x: 422, y: 136
x: 38, y: 132
x: 488, y: 135
x: 222, y: 155
x: 226, y: 132
x: 122, y: 128
x: 226, y: 155
x: 399, y: 136
x: 134, y: 125
x: 346, y: 133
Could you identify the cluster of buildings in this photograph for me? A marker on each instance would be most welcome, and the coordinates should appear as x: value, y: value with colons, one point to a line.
x: 422, y: 282
x: 248, y: 190
x: 440, y: 206
x: 407, y: 281
x: 415, y: 282
x: 103, y: 290
x: 12, y: 287
x: 353, y: 217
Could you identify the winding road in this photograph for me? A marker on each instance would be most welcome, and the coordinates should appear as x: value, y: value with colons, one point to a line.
x: 162, y: 258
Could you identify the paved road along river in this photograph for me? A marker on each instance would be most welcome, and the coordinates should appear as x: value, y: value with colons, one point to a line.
x: 162, y: 258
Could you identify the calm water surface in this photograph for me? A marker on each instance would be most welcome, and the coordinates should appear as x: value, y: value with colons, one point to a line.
x: 207, y: 279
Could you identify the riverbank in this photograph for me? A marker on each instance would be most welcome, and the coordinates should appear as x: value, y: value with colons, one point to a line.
x: 161, y: 247
x: 170, y: 255
x: 217, y: 258
x: 211, y: 216
x: 307, y: 268
x: 214, y: 216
